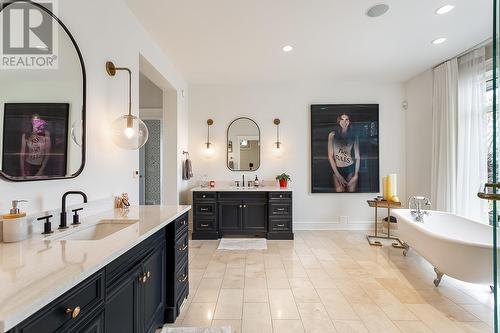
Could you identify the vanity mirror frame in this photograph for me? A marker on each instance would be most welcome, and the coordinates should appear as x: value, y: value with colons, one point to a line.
x: 84, y: 98
x: 237, y: 146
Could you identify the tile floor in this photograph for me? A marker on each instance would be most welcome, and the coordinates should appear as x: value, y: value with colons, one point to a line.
x: 327, y: 281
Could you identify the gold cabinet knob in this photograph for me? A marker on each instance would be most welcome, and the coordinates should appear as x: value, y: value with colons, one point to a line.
x: 74, y: 312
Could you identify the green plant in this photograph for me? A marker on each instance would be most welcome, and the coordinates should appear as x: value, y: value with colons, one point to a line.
x: 284, y: 176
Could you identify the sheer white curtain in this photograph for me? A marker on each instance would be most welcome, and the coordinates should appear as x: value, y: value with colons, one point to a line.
x: 459, y: 156
x: 444, y: 137
x: 471, y: 140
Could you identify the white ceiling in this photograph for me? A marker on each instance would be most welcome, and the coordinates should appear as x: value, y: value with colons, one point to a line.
x: 240, y: 41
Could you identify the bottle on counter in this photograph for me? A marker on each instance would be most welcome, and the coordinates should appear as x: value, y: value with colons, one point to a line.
x: 256, y: 181
x: 15, y: 224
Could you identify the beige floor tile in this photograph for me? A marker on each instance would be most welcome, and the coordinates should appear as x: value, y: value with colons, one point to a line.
x: 276, y: 278
x: 374, y: 318
x: 256, y: 318
x: 481, y: 311
x: 256, y: 270
x: 474, y: 327
x: 234, y: 278
x: 199, y: 315
x: 433, y: 318
x: 305, y: 295
x: 412, y: 326
x: 320, y: 279
x: 273, y: 261
x: 208, y: 290
x: 350, y: 326
x: 215, y: 270
x: 392, y: 307
x: 337, y: 305
x: 315, y: 318
x: 352, y: 291
x: 288, y: 326
x: 360, y: 288
x: 229, y: 304
x: 400, y: 290
x: 234, y: 324
x: 282, y: 304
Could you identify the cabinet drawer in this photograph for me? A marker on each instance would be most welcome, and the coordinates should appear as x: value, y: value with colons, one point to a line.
x: 205, y: 209
x: 181, y: 248
x: 69, y: 308
x: 205, y: 224
x: 280, y: 195
x: 204, y: 196
x: 280, y: 209
x: 181, y: 278
x: 280, y: 225
x: 181, y: 224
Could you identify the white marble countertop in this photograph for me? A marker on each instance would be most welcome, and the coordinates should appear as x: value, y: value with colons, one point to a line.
x: 241, y: 189
x: 36, y: 271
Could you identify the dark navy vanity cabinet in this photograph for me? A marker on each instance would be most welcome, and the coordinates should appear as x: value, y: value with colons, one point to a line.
x: 137, y: 292
x: 242, y: 213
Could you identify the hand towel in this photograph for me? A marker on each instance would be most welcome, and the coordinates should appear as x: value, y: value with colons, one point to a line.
x: 187, y: 169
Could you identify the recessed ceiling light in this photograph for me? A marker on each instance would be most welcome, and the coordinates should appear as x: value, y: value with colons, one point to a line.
x: 287, y: 48
x: 444, y: 9
x: 377, y: 10
x: 439, y: 40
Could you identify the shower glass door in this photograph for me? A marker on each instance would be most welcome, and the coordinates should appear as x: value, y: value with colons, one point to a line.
x: 493, y: 174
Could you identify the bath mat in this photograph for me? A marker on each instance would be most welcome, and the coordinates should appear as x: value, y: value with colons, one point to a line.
x: 242, y: 244
x: 225, y: 329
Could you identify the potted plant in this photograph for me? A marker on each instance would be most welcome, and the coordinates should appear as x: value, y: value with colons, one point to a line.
x: 283, y: 179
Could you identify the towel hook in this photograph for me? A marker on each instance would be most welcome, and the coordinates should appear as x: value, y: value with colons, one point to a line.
x: 185, y: 153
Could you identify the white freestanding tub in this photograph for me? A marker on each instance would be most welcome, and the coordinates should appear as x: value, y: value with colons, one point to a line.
x: 455, y: 246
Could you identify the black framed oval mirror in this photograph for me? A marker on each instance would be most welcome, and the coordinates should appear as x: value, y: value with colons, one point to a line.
x: 42, y: 96
x: 243, y: 145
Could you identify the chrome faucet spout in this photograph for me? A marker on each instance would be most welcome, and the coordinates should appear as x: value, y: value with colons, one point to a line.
x: 418, y: 213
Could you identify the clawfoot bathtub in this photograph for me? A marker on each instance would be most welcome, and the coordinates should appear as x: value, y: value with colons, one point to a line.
x: 455, y: 246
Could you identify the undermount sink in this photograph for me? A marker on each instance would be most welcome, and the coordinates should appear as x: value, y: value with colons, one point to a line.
x: 97, y: 231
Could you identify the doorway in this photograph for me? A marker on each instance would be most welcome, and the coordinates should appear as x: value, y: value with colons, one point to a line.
x: 150, y: 155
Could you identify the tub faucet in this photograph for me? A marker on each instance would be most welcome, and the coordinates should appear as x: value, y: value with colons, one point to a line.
x: 418, y: 213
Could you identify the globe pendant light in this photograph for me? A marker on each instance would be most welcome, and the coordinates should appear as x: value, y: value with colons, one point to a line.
x: 127, y: 131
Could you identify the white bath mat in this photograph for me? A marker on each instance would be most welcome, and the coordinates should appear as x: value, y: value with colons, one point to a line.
x: 225, y: 329
x: 242, y: 244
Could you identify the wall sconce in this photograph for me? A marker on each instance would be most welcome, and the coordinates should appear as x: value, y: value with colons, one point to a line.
x: 128, y: 131
x: 277, y: 146
x: 209, y: 149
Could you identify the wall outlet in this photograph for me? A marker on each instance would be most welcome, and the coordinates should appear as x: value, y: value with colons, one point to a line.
x: 344, y: 219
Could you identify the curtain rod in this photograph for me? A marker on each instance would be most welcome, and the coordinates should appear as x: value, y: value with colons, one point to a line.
x: 483, y: 43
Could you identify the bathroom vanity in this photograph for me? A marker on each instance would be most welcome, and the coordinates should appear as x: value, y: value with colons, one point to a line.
x: 132, y: 280
x: 262, y: 212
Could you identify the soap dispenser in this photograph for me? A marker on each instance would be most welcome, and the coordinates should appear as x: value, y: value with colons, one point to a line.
x: 15, y: 224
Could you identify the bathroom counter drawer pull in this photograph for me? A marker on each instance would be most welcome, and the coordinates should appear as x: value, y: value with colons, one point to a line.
x: 204, y: 209
x: 280, y: 209
x: 74, y: 312
x: 204, y: 225
x: 280, y: 225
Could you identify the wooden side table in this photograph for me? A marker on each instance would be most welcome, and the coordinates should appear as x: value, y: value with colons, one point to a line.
x: 389, y: 205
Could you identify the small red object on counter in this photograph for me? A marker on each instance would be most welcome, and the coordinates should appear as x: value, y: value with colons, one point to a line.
x: 212, y: 183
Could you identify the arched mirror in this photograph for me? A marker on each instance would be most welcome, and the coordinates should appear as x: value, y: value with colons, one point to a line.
x: 243, y: 145
x: 42, y: 95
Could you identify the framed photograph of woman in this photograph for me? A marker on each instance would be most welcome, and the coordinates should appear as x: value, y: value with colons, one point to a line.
x: 35, y: 139
x: 345, y: 148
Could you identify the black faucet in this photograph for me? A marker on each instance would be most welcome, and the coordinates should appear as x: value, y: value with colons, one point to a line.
x: 63, y: 224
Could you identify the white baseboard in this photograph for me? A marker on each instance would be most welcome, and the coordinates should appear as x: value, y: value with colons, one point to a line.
x: 321, y: 225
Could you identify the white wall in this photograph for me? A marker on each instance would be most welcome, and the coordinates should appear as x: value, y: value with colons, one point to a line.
x: 418, y: 93
x: 291, y: 103
x: 105, y: 30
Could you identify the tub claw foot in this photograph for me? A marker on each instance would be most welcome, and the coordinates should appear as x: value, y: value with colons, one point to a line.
x: 438, y: 278
x: 406, y: 248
